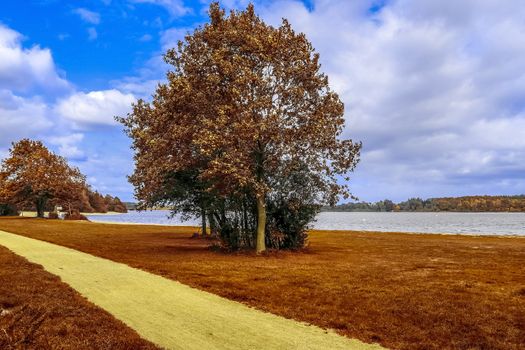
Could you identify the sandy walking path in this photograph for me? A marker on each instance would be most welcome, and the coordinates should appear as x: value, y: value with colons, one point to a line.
x: 170, y: 314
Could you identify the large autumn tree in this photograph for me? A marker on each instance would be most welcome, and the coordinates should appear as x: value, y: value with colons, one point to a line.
x: 34, y: 176
x: 248, y: 106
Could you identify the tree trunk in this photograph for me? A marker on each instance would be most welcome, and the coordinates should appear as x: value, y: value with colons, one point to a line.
x: 203, y: 225
x: 213, y: 227
x: 245, y: 216
x: 261, y: 224
x: 40, y: 204
x: 246, y: 235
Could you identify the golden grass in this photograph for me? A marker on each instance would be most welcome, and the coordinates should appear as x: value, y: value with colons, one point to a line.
x: 170, y: 314
x: 38, y: 311
x: 404, y: 291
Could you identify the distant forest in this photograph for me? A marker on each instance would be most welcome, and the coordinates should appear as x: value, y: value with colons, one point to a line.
x: 94, y: 202
x: 455, y: 204
x: 89, y: 202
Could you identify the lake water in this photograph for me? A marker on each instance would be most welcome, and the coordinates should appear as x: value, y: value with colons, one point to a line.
x: 443, y: 222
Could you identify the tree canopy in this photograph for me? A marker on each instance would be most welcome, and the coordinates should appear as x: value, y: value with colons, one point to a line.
x: 33, y: 175
x: 247, y: 108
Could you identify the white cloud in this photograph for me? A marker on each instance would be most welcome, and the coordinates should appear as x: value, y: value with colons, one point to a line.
x: 170, y: 37
x: 145, y: 38
x: 24, y: 75
x: 36, y: 103
x: 94, y: 108
x: 175, y: 8
x: 23, y: 69
x: 21, y: 117
x: 92, y: 33
x: 68, y: 146
x: 434, y: 89
x: 137, y: 86
x: 87, y: 15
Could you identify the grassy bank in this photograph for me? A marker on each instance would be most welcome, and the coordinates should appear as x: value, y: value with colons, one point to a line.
x: 404, y: 291
x: 38, y: 311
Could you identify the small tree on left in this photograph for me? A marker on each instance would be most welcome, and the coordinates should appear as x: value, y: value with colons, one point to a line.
x: 32, y: 175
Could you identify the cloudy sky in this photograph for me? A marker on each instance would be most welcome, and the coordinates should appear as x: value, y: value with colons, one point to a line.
x: 435, y: 89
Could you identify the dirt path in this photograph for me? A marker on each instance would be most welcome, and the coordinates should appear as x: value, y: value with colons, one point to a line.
x: 169, y: 313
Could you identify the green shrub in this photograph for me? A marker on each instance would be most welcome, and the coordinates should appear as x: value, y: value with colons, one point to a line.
x: 287, y: 223
x: 75, y: 215
x: 8, y: 210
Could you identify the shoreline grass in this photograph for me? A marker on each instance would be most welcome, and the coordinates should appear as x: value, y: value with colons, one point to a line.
x: 405, y: 291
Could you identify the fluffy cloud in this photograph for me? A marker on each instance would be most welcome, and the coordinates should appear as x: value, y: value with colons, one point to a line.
x: 110, y: 179
x: 35, y: 102
x: 145, y: 38
x: 25, y: 69
x: 21, y: 117
x: 87, y: 15
x: 175, y: 8
x: 92, y: 33
x: 170, y: 37
x: 68, y: 146
x: 94, y: 108
x: 434, y: 89
x: 141, y: 87
x: 24, y: 73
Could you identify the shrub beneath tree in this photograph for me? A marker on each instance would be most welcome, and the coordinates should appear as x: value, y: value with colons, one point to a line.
x: 8, y: 210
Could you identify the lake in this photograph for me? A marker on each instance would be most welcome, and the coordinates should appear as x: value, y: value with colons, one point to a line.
x: 443, y: 222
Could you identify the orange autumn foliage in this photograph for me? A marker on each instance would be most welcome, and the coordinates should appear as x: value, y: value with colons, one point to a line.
x: 248, y: 106
x: 33, y: 175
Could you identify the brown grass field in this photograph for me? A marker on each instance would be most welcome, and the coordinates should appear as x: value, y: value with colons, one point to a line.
x: 38, y: 311
x: 405, y: 291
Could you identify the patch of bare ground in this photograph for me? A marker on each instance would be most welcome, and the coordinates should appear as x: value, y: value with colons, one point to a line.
x: 405, y: 291
x: 38, y: 311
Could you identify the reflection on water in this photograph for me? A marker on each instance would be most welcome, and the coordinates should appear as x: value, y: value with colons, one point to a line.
x: 466, y: 223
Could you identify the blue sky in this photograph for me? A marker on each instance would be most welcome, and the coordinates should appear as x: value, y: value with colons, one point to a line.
x: 95, y: 42
x: 435, y: 89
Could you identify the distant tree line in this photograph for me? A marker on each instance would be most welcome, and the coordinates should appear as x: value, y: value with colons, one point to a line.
x: 88, y: 201
x: 94, y: 202
x: 454, y: 204
x: 384, y: 205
